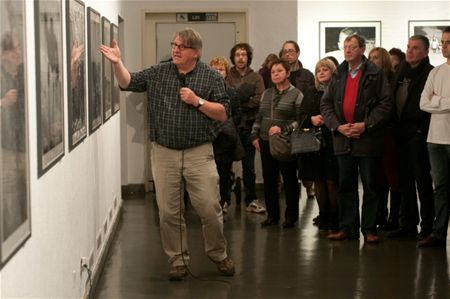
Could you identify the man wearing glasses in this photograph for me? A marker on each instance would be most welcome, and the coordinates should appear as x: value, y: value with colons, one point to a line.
x: 185, y: 97
x: 356, y: 107
x: 302, y: 79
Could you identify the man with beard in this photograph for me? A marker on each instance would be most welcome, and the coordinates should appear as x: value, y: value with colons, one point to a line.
x: 249, y: 87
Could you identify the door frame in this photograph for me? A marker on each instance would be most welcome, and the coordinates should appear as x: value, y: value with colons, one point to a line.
x: 149, y: 20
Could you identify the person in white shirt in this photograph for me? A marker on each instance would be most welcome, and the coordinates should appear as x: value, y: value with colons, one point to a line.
x: 435, y: 99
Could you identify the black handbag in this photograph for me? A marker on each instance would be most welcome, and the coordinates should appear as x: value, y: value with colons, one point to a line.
x: 306, y: 140
x: 280, y: 147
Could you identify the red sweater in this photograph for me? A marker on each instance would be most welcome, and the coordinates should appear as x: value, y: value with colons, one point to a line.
x: 350, y: 94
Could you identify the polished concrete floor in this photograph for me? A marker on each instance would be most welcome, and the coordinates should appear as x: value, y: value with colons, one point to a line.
x: 270, y: 262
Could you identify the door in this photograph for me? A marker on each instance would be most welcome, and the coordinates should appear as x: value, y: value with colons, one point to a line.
x: 218, y: 39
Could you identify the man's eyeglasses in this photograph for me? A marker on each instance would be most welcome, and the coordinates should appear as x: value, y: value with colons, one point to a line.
x: 351, y: 47
x: 180, y: 47
x: 289, y: 51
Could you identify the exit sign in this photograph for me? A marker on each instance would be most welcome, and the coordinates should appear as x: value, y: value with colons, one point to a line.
x: 198, y: 17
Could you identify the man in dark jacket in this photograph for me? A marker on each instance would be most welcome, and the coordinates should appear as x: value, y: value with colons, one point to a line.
x: 302, y: 79
x: 249, y: 86
x: 411, y: 137
x: 356, y: 107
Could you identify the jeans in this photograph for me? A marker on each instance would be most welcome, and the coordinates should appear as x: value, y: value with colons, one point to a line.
x: 440, y: 171
x: 348, y: 197
x: 248, y: 167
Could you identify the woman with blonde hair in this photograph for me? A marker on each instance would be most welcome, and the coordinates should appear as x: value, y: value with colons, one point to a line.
x: 387, y: 177
x: 382, y: 58
x: 320, y: 167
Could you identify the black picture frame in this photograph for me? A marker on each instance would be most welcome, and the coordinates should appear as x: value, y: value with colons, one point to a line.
x: 15, y: 215
x: 115, y: 84
x: 332, y: 33
x: 76, y: 73
x: 106, y: 72
x: 94, y: 69
x: 48, y: 19
x: 432, y: 29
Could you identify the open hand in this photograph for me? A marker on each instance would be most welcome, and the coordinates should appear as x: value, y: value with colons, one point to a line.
x: 111, y: 53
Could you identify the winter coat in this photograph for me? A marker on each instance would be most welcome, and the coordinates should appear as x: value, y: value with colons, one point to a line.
x: 373, y: 107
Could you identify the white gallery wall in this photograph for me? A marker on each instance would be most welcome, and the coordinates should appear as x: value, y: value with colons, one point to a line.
x: 70, y: 204
x: 394, y: 17
x: 269, y: 24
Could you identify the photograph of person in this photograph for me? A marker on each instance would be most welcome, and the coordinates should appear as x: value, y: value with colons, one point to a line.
x: 333, y: 35
x: 49, y: 74
x: 433, y: 32
x: 14, y: 195
x: 76, y: 76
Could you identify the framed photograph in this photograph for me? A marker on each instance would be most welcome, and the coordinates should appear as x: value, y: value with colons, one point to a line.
x: 115, y: 84
x: 94, y: 35
x: 15, y: 223
x: 333, y: 34
x: 76, y: 73
x: 106, y: 72
x: 433, y: 31
x: 49, y: 83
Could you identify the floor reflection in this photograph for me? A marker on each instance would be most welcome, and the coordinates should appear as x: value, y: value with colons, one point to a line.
x: 271, y: 262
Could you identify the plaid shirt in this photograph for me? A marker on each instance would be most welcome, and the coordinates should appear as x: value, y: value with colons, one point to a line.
x: 173, y: 123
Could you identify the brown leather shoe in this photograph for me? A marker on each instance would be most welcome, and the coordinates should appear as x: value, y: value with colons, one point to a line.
x: 430, y: 241
x: 177, y: 273
x: 225, y: 266
x: 371, y: 238
x: 339, y: 236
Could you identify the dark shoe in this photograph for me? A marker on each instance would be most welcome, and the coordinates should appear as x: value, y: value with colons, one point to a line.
x: 403, y: 233
x: 225, y: 266
x: 269, y: 222
x: 177, y: 273
x: 339, y: 236
x: 424, y: 233
x: 430, y: 241
x: 288, y: 224
x: 371, y: 238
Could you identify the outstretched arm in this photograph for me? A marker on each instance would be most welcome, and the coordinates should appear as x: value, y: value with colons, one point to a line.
x: 113, y: 54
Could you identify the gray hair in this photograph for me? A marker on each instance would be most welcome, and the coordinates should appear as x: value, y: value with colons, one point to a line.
x: 190, y: 37
x: 361, y: 41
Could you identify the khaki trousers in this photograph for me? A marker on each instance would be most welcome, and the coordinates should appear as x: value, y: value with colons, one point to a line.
x: 196, y: 170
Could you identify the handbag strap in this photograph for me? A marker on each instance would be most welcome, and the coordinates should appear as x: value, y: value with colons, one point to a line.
x: 281, y: 93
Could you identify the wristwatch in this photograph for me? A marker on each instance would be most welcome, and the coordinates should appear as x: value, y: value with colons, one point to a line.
x: 201, y: 102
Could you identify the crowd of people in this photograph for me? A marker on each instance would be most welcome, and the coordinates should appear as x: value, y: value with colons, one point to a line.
x: 384, y: 120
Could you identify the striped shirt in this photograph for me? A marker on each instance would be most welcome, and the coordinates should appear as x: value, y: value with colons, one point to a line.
x: 173, y: 123
x: 286, y: 111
